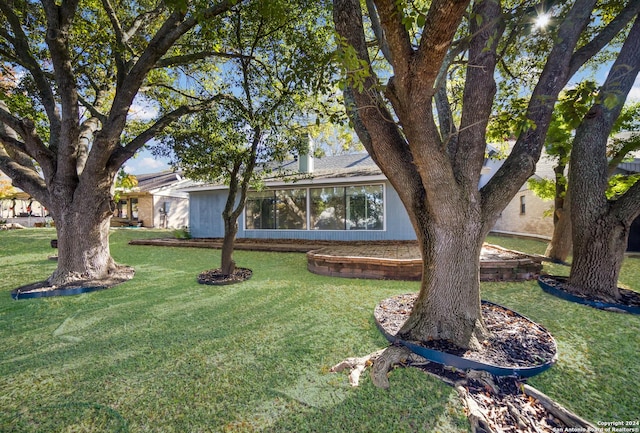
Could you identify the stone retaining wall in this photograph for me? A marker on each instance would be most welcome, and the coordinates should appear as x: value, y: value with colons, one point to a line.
x: 322, y: 263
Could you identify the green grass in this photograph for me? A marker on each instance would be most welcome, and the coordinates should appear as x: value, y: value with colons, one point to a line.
x: 162, y: 353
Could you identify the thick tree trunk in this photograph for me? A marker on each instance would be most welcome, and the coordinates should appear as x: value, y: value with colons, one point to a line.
x: 598, y: 254
x: 448, y: 306
x: 227, y: 264
x: 561, y: 245
x: 600, y: 226
x: 82, y: 225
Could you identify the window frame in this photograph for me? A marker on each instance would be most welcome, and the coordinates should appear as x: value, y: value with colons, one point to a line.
x: 308, y: 224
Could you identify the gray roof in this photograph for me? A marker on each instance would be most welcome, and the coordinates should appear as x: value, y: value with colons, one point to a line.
x: 347, y: 162
x: 151, y: 181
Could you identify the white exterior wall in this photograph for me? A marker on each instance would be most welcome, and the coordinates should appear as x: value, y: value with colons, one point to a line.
x: 177, y: 215
x: 532, y: 221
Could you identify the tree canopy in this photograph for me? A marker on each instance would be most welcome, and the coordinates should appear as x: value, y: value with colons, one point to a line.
x: 78, y: 69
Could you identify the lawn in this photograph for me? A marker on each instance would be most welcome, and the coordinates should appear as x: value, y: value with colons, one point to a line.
x: 162, y: 353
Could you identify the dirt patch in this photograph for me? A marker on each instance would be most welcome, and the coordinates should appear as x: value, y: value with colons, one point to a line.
x: 215, y: 277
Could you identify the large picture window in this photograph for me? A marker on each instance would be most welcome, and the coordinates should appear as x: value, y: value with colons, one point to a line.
x: 260, y: 210
x: 291, y: 209
x: 281, y: 209
x: 326, y: 208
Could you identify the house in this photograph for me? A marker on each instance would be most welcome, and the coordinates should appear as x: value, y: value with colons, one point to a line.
x: 344, y: 197
x: 527, y: 213
x: 156, y: 201
x: 18, y: 207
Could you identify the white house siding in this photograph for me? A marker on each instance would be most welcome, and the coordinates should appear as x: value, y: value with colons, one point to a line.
x: 177, y: 212
x: 532, y: 221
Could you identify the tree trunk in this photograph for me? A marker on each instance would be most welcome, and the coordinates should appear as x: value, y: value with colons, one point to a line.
x: 601, y: 226
x: 227, y: 265
x: 598, y: 254
x: 448, y: 306
x: 561, y: 245
x: 82, y: 226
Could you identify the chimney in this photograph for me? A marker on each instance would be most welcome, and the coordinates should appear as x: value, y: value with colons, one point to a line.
x: 305, y: 159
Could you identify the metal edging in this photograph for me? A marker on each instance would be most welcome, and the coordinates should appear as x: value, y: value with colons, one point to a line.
x: 17, y: 294
x: 458, y: 362
x: 601, y: 305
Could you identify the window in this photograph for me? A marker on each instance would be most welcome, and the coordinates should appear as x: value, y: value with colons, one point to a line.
x: 291, y: 209
x: 260, y: 210
x: 364, y: 207
x: 127, y: 209
x: 523, y: 205
x: 329, y: 208
x: 134, y: 209
x: 123, y: 209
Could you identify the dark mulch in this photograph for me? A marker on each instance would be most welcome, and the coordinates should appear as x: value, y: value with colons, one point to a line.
x: 215, y: 277
x: 502, y: 403
x: 508, y: 409
x: 628, y: 298
x: 515, y: 341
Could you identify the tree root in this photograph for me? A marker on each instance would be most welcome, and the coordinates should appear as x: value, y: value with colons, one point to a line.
x: 356, y: 366
x: 492, y: 404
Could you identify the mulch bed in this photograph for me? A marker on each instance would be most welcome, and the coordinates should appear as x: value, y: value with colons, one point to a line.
x: 46, y: 289
x: 515, y: 341
x: 494, y: 404
x: 215, y: 277
x: 628, y: 298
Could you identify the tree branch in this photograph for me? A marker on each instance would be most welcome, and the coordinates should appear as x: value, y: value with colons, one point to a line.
x: 629, y: 146
x: 526, y: 152
x: 377, y: 30
x: 31, y: 143
x: 441, y: 24
x: 171, y: 30
x: 92, y: 109
x: 626, y: 208
x: 395, y: 34
x: 24, y: 177
x: 582, y: 55
x: 122, y: 154
x: 59, y: 19
x: 23, y: 52
x: 479, y: 92
x: 190, y: 58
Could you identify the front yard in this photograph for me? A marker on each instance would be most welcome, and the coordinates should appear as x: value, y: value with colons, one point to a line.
x: 163, y: 353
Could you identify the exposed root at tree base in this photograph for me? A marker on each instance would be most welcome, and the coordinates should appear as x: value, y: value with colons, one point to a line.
x: 108, y: 282
x: 492, y: 404
x: 117, y: 274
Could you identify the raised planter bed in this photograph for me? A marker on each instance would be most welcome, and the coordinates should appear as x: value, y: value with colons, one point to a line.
x: 497, y: 264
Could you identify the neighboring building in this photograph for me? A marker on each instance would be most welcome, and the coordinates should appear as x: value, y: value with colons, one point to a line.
x: 156, y: 201
x: 19, y: 207
x: 527, y: 213
x: 343, y: 197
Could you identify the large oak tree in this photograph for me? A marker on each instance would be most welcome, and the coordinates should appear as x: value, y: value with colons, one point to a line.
x: 78, y: 67
x: 435, y: 161
x: 600, y: 225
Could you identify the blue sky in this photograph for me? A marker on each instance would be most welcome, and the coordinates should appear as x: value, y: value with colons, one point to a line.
x: 146, y: 162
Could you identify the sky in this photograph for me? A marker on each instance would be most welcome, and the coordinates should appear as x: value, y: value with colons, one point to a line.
x: 145, y: 162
